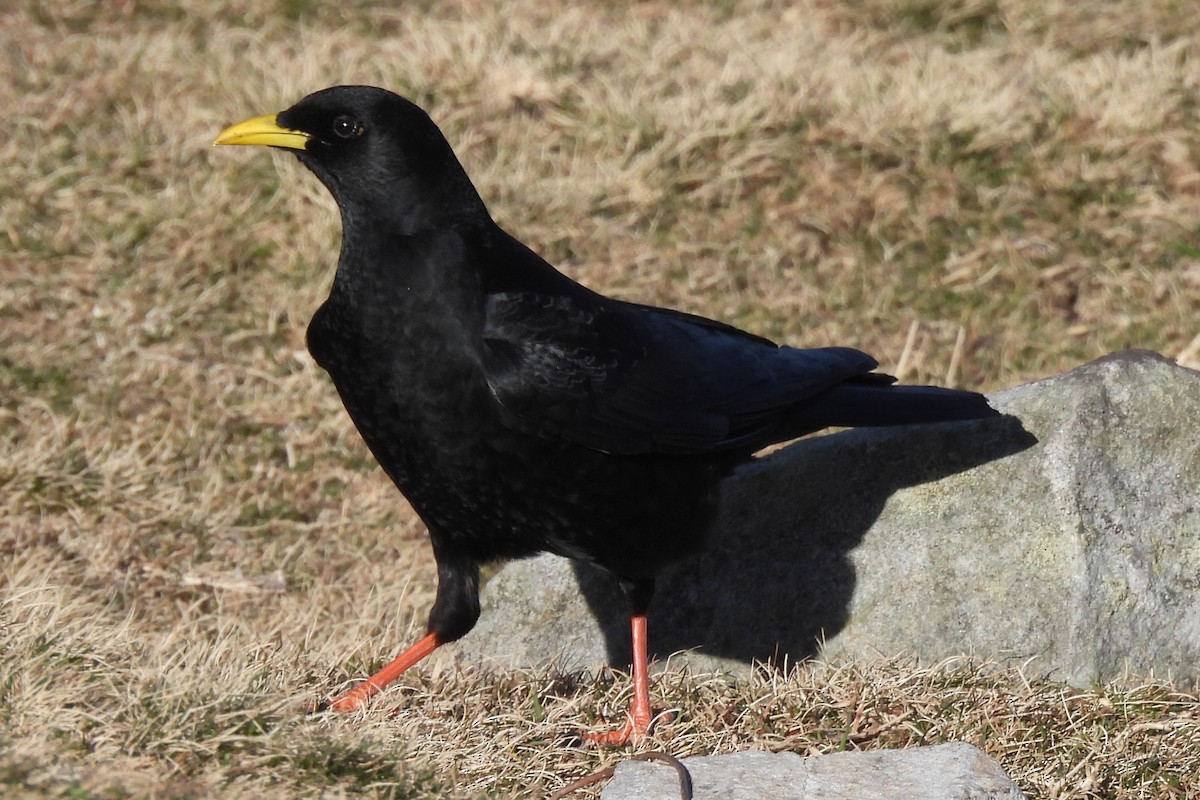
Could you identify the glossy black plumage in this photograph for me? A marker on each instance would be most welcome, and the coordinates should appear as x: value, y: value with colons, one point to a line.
x: 521, y: 412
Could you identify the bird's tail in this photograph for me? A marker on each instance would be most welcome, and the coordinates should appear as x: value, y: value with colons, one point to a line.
x: 864, y: 404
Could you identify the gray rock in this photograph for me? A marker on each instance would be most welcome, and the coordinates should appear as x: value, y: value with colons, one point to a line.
x: 1080, y: 550
x: 955, y: 771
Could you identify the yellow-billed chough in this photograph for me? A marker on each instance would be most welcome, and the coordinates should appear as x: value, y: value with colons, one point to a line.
x: 520, y: 412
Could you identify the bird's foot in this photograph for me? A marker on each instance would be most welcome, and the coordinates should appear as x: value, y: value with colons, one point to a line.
x: 615, y: 738
x: 355, y: 699
x: 635, y: 731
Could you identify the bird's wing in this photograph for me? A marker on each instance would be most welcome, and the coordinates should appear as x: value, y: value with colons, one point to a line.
x: 634, y: 379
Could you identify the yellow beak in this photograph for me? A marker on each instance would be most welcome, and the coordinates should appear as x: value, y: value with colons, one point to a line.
x: 263, y: 130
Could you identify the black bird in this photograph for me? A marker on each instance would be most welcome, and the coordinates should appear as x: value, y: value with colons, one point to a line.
x: 521, y: 412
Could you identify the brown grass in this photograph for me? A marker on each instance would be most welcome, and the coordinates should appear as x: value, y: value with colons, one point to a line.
x: 194, y: 541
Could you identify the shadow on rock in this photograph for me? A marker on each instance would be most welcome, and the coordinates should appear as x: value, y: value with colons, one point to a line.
x: 776, y: 577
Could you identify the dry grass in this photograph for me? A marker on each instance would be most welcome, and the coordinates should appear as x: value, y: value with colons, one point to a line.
x: 194, y: 541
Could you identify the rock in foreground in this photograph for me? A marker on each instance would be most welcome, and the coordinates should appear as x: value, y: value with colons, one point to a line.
x: 955, y: 771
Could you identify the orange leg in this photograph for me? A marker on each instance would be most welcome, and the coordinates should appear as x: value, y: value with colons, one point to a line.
x: 357, y: 697
x: 637, y: 727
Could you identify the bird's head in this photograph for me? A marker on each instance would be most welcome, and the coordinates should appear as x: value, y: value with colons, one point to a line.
x: 381, y: 156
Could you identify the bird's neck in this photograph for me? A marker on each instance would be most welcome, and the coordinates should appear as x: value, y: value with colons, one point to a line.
x: 427, y: 272
x: 412, y: 205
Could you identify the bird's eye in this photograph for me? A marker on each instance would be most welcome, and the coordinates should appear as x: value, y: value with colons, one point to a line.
x: 347, y: 127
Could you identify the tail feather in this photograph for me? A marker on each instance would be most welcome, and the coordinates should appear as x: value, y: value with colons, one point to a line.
x: 854, y: 404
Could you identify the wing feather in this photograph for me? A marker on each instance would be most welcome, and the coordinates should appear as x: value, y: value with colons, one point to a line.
x: 635, y: 379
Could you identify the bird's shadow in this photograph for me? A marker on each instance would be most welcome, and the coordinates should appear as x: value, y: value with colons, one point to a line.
x: 776, y: 577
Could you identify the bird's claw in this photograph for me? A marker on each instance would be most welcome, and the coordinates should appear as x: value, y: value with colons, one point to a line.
x: 355, y: 699
x: 635, y: 731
